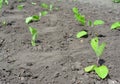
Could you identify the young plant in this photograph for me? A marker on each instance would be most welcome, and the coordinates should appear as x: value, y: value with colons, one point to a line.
x: 46, y: 6
x: 32, y: 18
x: 116, y: 1
x: 43, y: 13
x: 81, y: 34
x: 95, y: 23
x: 115, y: 25
x: 3, y: 2
x: 101, y: 70
x: 33, y: 32
x: 20, y: 7
x: 33, y: 3
x: 80, y: 18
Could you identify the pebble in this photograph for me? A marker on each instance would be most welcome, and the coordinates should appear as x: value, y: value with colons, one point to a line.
x: 112, y: 81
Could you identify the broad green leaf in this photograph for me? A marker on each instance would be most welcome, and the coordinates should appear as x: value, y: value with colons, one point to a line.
x: 116, y: 1
x: 1, y: 3
x: 101, y: 49
x: 28, y: 20
x: 102, y: 71
x: 6, y: 2
x: 90, y: 68
x: 98, y: 22
x: 32, y: 18
x: 115, y: 25
x: 96, y: 48
x: 80, y: 18
x: 33, y: 32
x: 35, y: 17
x: 75, y: 10
x: 20, y: 7
x: 94, y: 44
x: 81, y: 34
x: 43, y: 13
x: 33, y: 3
x: 44, y: 5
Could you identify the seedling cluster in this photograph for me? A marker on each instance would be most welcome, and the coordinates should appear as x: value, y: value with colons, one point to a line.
x: 101, y: 70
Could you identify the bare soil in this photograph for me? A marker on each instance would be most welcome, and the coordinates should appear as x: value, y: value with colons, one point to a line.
x: 59, y: 57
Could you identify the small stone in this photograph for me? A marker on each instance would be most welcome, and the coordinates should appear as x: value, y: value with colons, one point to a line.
x: 29, y: 64
x: 112, y: 81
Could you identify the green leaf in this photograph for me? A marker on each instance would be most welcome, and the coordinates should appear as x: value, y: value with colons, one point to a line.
x: 81, y: 34
x: 33, y: 32
x: 90, y: 68
x: 33, y: 3
x: 102, y: 71
x: 95, y: 46
x: 75, y: 10
x: 89, y: 23
x: 51, y: 7
x: 6, y: 2
x: 115, y: 25
x: 101, y: 49
x: 35, y: 17
x: 116, y: 1
x: 98, y: 22
x: 44, y: 5
x: 43, y: 13
x: 20, y: 7
x: 32, y: 18
x: 80, y: 18
x: 28, y: 20
x: 1, y: 3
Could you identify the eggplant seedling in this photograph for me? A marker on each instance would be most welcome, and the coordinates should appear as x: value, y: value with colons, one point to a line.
x: 46, y: 6
x: 81, y: 34
x: 3, y: 2
x: 34, y: 33
x: 20, y: 7
x: 80, y: 18
x: 32, y: 18
x: 101, y: 70
x: 116, y: 1
x: 95, y: 23
x: 115, y: 25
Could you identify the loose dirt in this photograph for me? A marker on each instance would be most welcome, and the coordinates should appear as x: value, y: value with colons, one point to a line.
x: 59, y: 57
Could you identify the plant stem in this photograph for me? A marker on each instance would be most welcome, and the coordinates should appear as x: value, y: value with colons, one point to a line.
x: 98, y: 61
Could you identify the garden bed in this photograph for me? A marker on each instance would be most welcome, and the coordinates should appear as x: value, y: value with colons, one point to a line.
x: 58, y: 57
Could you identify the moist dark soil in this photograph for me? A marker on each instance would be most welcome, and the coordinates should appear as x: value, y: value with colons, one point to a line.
x: 58, y: 57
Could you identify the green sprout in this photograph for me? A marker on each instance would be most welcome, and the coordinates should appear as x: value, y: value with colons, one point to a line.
x: 34, y: 33
x: 4, y: 23
x: 80, y: 18
x: 95, y: 23
x: 20, y: 7
x: 115, y: 25
x: 101, y: 70
x: 81, y: 34
x: 3, y: 2
x: 43, y: 13
x: 116, y: 1
x: 32, y: 18
x: 33, y: 3
x: 46, y: 6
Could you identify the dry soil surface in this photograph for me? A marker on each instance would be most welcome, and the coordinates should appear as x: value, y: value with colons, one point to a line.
x: 59, y: 57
